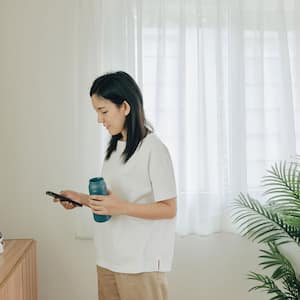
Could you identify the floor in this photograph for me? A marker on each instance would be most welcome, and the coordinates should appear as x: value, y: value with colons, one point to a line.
x: 214, y: 267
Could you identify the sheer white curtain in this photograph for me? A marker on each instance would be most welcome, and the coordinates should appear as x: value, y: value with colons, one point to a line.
x: 220, y: 80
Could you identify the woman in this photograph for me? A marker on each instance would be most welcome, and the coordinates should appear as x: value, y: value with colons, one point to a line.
x: 134, y: 249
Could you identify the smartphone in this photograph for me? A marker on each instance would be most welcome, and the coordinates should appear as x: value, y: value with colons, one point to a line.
x: 62, y: 198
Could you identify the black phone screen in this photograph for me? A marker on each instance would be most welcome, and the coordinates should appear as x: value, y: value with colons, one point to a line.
x: 62, y: 198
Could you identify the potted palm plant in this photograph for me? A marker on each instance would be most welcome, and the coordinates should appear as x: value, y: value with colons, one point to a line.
x: 273, y: 225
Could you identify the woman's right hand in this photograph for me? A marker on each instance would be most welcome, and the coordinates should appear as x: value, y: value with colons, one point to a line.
x: 75, y: 196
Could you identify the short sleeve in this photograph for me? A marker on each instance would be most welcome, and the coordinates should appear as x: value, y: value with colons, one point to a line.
x: 161, y: 173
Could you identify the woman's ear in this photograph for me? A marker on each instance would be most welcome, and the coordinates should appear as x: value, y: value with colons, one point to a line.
x: 126, y: 106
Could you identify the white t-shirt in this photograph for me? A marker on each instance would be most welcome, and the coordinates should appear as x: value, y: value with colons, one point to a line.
x: 133, y: 245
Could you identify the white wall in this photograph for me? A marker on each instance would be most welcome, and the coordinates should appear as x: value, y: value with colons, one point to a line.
x: 37, y: 85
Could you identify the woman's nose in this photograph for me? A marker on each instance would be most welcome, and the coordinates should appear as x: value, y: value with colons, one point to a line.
x: 100, y: 119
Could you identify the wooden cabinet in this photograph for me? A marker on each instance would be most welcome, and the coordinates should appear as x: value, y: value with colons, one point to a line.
x: 18, y: 270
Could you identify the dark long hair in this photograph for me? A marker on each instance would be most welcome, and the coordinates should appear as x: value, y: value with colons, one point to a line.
x: 118, y: 87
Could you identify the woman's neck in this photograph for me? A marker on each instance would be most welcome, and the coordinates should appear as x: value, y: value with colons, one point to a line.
x: 124, y: 135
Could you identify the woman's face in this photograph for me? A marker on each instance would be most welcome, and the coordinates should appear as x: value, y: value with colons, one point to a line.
x: 110, y: 115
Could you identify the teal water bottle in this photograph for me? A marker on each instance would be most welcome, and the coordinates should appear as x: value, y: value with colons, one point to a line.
x: 97, y: 186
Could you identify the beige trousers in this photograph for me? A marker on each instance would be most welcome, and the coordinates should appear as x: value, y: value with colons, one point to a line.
x: 124, y: 286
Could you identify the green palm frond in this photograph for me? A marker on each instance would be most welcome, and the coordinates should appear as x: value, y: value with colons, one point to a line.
x: 274, y: 258
x: 291, y: 288
x: 292, y: 220
x: 268, y: 285
x: 284, y: 270
x: 261, y: 223
x: 283, y: 187
x: 273, y: 224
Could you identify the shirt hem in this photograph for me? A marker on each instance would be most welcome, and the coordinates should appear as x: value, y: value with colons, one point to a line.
x: 120, y: 269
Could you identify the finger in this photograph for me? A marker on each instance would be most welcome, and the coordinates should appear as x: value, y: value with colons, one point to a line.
x: 71, y: 205
x: 96, y: 198
x: 97, y: 207
x: 68, y: 205
x: 99, y: 212
x: 64, y: 204
x: 95, y: 203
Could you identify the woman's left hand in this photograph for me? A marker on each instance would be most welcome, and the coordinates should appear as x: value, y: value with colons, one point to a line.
x: 107, y: 204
